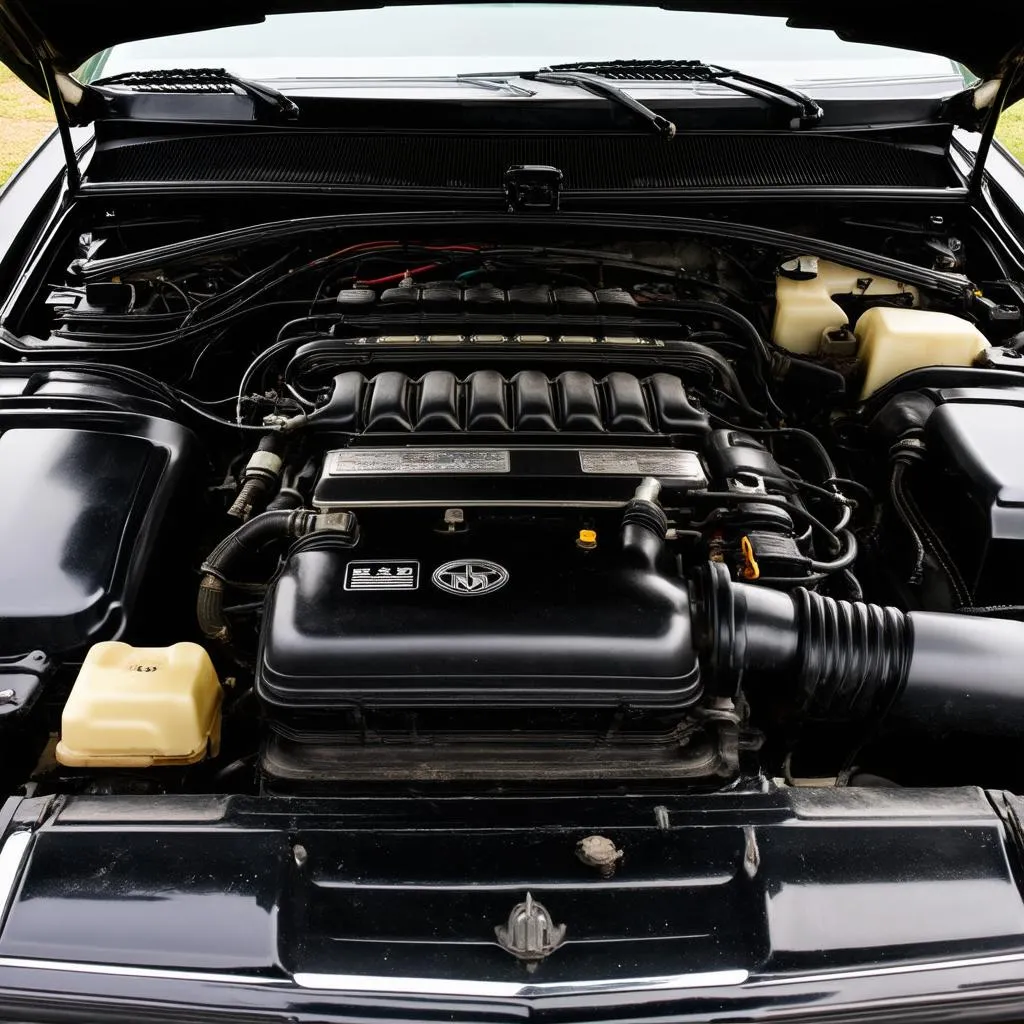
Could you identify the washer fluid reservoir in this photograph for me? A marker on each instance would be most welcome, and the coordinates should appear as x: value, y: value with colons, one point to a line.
x: 895, y: 341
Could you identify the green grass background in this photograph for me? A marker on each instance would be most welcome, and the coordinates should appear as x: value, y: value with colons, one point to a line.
x: 25, y: 119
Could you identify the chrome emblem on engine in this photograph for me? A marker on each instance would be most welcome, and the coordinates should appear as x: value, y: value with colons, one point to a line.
x: 470, y: 577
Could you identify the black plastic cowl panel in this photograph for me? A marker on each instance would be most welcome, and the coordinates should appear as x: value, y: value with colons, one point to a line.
x: 464, y: 160
x: 528, y: 402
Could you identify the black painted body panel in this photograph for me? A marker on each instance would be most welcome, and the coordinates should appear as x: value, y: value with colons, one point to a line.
x: 84, y: 499
x: 819, y: 890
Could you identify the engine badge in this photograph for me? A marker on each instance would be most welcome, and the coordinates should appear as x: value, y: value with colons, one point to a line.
x: 382, y: 575
x: 679, y: 465
x: 470, y: 577
x: 441, y: 461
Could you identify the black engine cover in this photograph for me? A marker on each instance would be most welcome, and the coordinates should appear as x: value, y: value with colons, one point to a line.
x: 474, y: 621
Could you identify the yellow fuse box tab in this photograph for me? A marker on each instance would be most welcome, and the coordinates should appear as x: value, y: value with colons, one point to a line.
x: 141, y: 707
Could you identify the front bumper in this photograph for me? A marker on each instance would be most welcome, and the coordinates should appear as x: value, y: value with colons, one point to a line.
x: 781, y: 905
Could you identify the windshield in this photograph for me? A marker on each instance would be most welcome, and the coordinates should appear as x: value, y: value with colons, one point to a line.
x: 449, y: 39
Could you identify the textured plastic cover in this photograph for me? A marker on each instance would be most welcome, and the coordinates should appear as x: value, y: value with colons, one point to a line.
x: 528, y: 402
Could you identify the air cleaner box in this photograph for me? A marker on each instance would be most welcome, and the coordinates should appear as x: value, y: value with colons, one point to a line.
x: 474, y: 621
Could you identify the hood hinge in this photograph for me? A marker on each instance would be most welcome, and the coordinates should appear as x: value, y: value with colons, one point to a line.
x: 60, y: 111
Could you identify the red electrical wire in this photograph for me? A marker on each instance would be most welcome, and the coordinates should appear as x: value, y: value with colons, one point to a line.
x: 352, y: 248
x: 402, y: 276
x: 420, y: 270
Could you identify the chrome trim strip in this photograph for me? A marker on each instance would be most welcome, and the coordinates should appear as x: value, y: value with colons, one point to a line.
x: 881, y: 972
x: 12, y: 857
x: 358, y: 983
x: 126, y: 971
x: 380, y: 985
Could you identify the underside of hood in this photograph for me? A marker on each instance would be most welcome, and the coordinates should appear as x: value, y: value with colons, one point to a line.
x: 985, y: 37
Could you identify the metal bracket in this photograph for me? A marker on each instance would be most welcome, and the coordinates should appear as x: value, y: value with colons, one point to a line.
x: 533, y: 187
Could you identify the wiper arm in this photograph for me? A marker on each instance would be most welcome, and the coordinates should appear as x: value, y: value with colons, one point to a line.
x: 806, y: 109
x: 497, y: 85
x: 592, y: 83
x: 599, y: 85
x: 204, y: 80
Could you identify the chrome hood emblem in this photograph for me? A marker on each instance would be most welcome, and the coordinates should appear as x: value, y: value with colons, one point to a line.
x: 531, y: 934
x: 470, y: 577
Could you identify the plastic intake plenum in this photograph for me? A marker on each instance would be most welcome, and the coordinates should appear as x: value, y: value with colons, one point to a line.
x: 853, y: 661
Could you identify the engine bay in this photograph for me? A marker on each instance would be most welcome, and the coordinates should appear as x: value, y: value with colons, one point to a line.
x: 294, y: 510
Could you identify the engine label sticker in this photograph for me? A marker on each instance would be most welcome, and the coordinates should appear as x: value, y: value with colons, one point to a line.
x: 382, y: 575
x: 643, y: 462
x: 392, y: 461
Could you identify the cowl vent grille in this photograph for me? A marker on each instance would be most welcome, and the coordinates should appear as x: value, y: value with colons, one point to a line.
x: 458, y: 162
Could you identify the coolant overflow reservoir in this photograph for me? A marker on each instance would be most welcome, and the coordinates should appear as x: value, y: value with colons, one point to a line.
x: 140, y: 707
x: 805, y: 307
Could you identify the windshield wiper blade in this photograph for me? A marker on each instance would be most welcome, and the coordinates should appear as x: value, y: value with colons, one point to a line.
x: 203, y: 80
x: 806, y: 109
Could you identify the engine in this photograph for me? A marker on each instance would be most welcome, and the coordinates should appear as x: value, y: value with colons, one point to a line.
x: 500, y: 593
x: 535, y: 577
x: 509, y: 516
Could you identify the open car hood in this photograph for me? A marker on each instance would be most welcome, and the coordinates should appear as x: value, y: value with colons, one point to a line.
x: 986, y: 37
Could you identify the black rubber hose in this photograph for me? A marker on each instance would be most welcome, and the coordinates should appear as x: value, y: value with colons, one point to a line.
x: 850, y: 661
x: 246, y: 540
x: 644, y: 526
x: 995, y: 611
x: 897, y: 493
x: 249, y: 537
x: 843, y: 561
x: 210, y: 608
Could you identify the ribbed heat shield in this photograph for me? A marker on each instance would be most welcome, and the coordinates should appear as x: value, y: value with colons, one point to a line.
x: 590, y: 162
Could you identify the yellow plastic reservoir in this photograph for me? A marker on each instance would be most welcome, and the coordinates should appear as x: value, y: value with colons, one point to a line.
x: 139, y: 707
x: 804, y: 307
x: 895, y: 341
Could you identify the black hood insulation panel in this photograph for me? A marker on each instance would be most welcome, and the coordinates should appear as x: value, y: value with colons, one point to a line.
x: 459, y: 161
